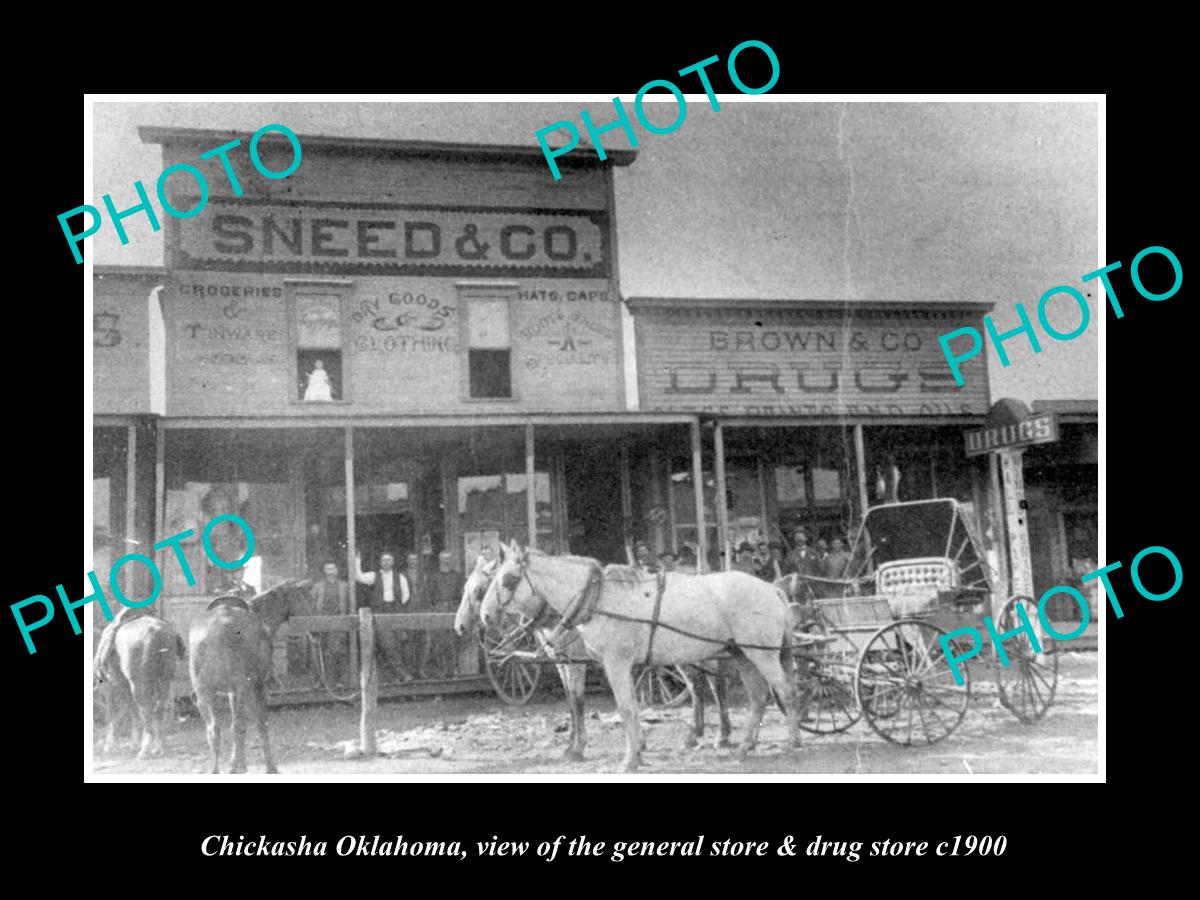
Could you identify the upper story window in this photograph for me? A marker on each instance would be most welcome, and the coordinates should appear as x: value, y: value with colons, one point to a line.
x: 319, y: 336
x: 489, y: 348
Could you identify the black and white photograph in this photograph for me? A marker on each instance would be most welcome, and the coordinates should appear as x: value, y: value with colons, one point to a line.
x: 687, y: 435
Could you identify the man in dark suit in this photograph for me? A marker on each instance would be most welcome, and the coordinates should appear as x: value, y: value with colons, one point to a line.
x: 331, y: 597
x: 389, y: 595
x: 445, y: 593
x: 804, y: 559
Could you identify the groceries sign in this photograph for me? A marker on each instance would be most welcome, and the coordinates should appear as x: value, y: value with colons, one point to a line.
x: 385, y: 239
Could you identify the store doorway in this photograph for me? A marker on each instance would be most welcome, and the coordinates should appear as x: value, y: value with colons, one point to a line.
x: 593, y: 482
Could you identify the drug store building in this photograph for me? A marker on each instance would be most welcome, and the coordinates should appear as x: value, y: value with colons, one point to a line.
x: 812, y: 411
x: 464, y: 308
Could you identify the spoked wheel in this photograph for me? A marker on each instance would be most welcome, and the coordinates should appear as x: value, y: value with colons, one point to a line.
x: 905, y: 687
x: 824, y: 686
x: 826, y: 697
x: 1028, y: 683
x: 660, y: 686
x: 515, y: 677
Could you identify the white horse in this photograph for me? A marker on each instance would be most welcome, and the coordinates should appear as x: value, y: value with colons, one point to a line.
x: 623, y: 622
x: 573, y: 674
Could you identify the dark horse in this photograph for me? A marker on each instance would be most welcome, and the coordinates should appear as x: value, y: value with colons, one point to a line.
x: 135, y: 662
x: 230, y: 656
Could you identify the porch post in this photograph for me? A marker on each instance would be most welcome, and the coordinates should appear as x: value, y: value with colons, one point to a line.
x: 626, y: 502
x: 721, y: 498
x: 530, y: 492
x: 159, y: 522
x: 698, y: 488
x: 351, y: 550
x: 860, y: 463
x: 999, y: 531
x: 131, y: 506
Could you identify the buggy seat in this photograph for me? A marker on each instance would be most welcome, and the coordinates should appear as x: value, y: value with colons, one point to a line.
x: 911, y: 586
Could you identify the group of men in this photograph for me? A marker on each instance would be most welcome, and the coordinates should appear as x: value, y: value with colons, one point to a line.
x: 769, y: 561
x: 403, y: 655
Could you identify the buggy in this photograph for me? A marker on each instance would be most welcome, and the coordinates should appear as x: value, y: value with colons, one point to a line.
x: 868, y: 645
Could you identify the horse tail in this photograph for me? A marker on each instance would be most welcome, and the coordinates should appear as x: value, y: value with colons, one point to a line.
x: 180, y: 647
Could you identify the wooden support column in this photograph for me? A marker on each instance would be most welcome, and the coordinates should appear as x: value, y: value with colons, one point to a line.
x: 368, y: 682
x: 626, y: 502
x: 721, y: 504
x: 764, y: 518
x: 860, y: 464
x: 698, y: 487
x: 999, y: 531
x: 670, y: 485
x: 659, y: 540
x: 351, y: 552
x: 130, y: 588
x: 159, y: 522
x: 530, y: 493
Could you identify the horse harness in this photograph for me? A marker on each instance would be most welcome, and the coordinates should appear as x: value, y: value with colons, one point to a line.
x: 585, y: 605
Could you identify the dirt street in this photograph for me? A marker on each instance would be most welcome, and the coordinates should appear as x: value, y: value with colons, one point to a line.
x: 479, y: 734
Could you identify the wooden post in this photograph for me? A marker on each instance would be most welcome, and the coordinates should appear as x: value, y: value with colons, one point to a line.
x: 671, y: 507
x: 351, y: 544
x: 933, y: 485
x: 762, y: 500
x: 721, y: 498
x: 367, y: 681
x: 698, y: 487
x: 626, y: 502
x: 860, y: 463
x: 996, y: 513
x: 160, y: 505
x: 660, y: 541
x: 561, y: 513
x: 130, y: 510
x: 530, y: 492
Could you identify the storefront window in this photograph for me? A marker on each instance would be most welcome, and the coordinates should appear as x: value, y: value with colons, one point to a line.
x: 827, y: 485
x: 790, y: 486
x: 492, y: 510
x: 683, y: 501
x: 269, y: 509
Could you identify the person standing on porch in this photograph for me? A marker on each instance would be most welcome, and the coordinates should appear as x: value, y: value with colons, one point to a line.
x: 446, y: 587
x: 389, y: 594
x: 331, y: 597
x: 416, y: 643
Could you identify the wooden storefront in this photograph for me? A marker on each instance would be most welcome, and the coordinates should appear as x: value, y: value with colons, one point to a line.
x: 812, y: 411
x: 463, y: 308
x: 126, y: 405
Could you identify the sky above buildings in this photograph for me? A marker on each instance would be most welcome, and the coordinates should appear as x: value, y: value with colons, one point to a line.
x: 903, y: 202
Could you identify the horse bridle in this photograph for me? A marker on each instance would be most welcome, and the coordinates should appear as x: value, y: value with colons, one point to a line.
x: 576, y: 609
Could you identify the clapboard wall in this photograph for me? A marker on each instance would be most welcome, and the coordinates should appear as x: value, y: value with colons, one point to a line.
x: 384, y: 248
x: 796, y: 358
x: 121, y: 340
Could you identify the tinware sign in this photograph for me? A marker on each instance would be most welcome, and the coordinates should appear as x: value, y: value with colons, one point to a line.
x: 373, y: 238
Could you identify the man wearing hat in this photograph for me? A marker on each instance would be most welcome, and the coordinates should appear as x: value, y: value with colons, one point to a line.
x: 803, y: 558
x: 666, y: 560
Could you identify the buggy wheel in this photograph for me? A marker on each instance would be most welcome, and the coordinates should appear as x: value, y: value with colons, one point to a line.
x: 905, y: 687
x: 826, y: 697
x: 824, y: 680
x: 1027, y: 684
x: 660, y: 686
x: 514, y: 678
